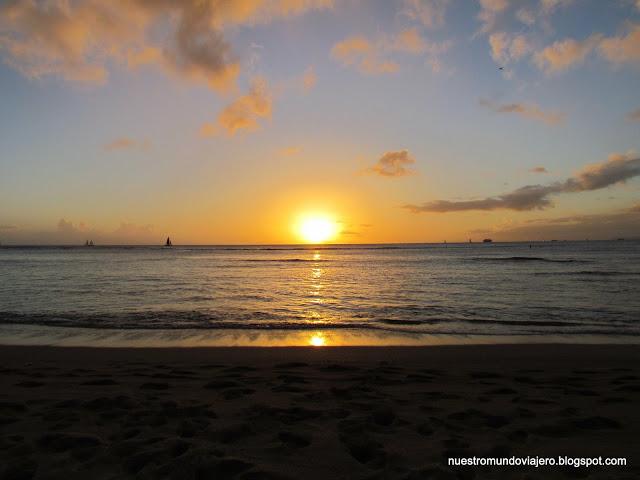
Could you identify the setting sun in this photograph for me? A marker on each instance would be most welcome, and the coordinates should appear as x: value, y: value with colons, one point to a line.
x: 318, y: 340
x: 317, y: 229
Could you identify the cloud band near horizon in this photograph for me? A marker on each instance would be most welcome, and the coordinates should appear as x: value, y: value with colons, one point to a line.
x: 617, y: 169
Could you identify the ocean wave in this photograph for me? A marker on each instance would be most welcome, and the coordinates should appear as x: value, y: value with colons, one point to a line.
x: 169, y: 321
x: 527, y: 259
x: 602, y: 273
x: 260, y: 321
x: 283, y: 260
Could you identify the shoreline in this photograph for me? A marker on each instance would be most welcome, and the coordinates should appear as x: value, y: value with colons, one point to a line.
x: 39, y: 335
x: 473, y: 354
x: 464, y: 354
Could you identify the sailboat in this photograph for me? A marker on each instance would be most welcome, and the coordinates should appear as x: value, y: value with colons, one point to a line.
x: 168, y: 243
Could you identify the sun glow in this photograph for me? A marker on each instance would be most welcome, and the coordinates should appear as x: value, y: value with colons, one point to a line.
x: 318, y: 340
x: 317, y: 229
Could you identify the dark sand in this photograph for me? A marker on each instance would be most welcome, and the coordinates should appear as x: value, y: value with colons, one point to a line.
x: 316, y: 413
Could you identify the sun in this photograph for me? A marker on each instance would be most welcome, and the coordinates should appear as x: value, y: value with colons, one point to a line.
x: 317, y: 229
x: 318, y: 340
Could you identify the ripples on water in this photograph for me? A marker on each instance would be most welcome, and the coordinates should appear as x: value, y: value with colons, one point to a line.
x: 463, y: 289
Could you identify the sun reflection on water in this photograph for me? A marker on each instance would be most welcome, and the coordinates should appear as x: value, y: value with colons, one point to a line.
x: 316, y: 278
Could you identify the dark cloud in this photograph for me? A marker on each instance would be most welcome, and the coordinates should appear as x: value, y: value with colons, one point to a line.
x: 79, y: 40
x: 618, y: 224
x: 617, y: 169
x: 530, y: 197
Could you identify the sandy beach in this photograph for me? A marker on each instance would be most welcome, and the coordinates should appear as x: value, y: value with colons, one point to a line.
x: 316, y: 412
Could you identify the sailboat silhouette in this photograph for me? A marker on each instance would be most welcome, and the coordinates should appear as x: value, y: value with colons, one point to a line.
x: 168, y: 243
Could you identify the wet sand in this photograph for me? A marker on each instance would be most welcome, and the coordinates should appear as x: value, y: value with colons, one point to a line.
x: 316, y: 413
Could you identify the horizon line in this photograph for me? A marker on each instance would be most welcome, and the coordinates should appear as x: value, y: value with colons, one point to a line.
x: 310, y: 245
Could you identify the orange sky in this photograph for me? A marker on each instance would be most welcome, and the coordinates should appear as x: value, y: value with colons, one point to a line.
x: 221, y: 122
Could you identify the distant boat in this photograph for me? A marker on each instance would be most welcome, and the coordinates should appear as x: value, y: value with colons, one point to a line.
x: 487, y: 240
x: 168, y: 243
x: 88, y: 243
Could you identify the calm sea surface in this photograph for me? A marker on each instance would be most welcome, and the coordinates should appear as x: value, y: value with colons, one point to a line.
x: 551, y: 288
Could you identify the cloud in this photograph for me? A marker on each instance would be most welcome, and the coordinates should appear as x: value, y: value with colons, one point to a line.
x: 617, y: 50
x: 244, y: 112
x: 562, y: 55
x: 623, y: 49
x: 526, y: 16
x: 634, y: 116
x: 538, y: 170
x: 549, y: 6
x: 359, y: 52
x: 623, y: 223
x: 525, y: 198
x: 617, y: 169
x: 489, y: 12
x: 506, y: 48
x: 66, y: 226
x: 530, y: 111
x: 66, y: 232
x: 309, y: 79
x: 410, y: 41
x: 371, y: 57
x: 80, y: 40
x: 434, y: 51
x: 529, y: 14
x: 126, y: 143
x: 394, y: 164
x: 429, y: 13
x: 354, y: 230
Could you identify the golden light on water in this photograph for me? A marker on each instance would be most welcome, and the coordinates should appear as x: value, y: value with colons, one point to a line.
x: 317, y: 228
x: 318, y: 340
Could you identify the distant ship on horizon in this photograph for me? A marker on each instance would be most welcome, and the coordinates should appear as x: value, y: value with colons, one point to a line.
x: 168, y: 243
x: 89, y: 243
x: 487, y: 240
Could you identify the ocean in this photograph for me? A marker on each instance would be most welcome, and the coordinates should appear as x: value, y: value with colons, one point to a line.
x: 413, y: 293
